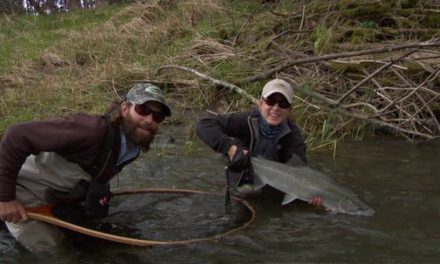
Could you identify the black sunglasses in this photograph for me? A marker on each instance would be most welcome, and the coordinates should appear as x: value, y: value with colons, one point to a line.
x: 144, y: 110
x: 271, y: 101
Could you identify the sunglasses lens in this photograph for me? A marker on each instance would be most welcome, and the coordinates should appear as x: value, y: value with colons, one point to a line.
x: 270, y: 101
x: 144, y: 110
x: 284, y: 104
x: 158, y: 117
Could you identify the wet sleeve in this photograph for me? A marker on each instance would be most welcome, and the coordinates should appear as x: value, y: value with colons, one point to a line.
x: 299, y: 147
x: 22, y: 140
x: 213, y: 131
x: 221, y: 131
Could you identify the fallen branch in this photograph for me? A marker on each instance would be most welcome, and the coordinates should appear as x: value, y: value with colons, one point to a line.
x: 358, y: 62
x: 372, y: 75
x: 267, y: 74
x: 430, y: 78
x: 212, y: 80
x: 401, y: 130
x: 436, y: 95
x: 361, y: 116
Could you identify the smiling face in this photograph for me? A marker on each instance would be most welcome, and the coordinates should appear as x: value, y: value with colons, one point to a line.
x: 271, y: 111
x: 140, y: 129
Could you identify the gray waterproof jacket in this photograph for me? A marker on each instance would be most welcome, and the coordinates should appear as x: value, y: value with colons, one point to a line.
x: 242, y: 129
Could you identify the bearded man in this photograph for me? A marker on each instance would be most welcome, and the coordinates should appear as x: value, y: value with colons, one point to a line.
x: 71, y: 160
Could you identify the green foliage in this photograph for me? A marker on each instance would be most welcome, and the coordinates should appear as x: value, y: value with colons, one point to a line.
x: 364, y: 10
x: 370, y: 24
x: 431, y: 20
x: 362, y: 35
x: 24, y: 37
x: 322, y: 37
x: 189, y: 147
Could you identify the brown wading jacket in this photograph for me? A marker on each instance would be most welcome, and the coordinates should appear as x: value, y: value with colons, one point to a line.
x: 242, y: 129
x: 78, y: 139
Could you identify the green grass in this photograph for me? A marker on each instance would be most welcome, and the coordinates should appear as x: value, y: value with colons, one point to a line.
x: 104, y: 50
x: 322, y: 37
x: 24, y: 37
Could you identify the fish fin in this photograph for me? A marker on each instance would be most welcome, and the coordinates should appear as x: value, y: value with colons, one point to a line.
x: 330, y: 211
x: 258, y: 183
x: 295, y: 161
x: 289, y: 198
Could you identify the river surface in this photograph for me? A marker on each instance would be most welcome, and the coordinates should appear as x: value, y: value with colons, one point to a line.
x: 399, y: 180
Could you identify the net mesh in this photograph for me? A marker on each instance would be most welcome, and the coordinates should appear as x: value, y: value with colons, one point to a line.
x: 173, y: 216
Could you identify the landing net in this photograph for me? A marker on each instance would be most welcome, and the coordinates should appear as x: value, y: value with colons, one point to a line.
x: 174, y: 215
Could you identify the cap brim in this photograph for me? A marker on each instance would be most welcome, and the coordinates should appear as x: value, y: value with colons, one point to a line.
x: 166, y: 108
x: 286, y: 96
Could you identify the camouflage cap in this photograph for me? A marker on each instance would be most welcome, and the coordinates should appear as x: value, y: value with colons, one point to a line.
x: 141, y: 93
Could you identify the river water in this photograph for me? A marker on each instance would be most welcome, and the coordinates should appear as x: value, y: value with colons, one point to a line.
x: 399, y: 180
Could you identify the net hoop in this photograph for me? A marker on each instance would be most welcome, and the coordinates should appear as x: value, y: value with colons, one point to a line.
x: 44, y: 216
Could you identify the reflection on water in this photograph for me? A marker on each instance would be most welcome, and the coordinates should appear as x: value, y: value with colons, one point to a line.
x: 166, y: 216
x: 400, y: 181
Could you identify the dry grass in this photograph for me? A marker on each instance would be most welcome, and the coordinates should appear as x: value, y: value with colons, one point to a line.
x: 229, y: 40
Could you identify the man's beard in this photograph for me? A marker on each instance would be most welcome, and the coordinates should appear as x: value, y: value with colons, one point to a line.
x: 142, y: 140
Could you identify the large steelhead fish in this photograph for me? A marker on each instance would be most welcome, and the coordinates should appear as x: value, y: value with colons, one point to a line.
x: 304, y: 183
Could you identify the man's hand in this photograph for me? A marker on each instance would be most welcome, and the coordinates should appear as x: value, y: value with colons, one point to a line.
x: 12, y: 211
x: 233, y: 150
x: 239, y: 167
x: 316, y: 201
x: 240, y: 160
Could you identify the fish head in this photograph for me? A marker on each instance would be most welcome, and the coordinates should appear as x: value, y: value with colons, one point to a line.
x: 354, y: 207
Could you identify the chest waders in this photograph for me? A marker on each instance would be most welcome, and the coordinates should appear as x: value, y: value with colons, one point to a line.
x: 89, y: 199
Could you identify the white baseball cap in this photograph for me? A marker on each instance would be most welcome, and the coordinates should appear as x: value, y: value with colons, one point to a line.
x: 278, y: 86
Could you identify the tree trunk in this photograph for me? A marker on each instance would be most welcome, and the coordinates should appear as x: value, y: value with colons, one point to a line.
x: 73, y: 5
x: 37, y: 7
